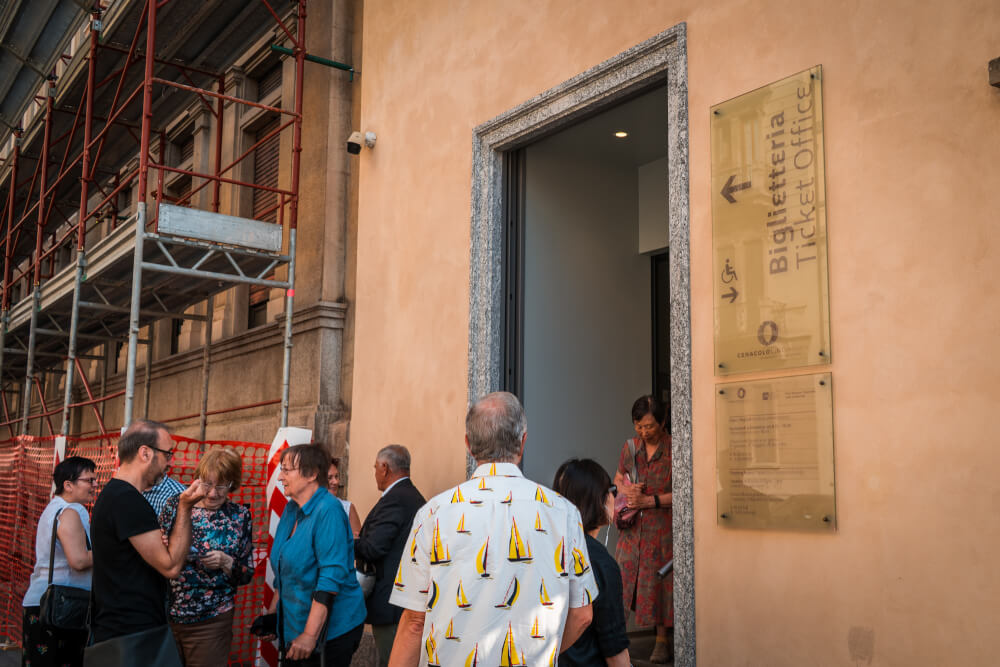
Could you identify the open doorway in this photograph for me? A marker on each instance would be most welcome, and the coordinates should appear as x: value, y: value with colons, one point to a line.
x: 499, y: 316
x: 587, y: 323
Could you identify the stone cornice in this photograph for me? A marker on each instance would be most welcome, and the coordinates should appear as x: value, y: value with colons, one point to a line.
x: 320, y: 315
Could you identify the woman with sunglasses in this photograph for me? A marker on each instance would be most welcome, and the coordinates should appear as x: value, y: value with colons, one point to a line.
x: 587, y: 485
x: 72, y: 562
x: 202, y: 598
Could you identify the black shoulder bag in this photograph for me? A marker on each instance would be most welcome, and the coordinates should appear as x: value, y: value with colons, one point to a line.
x: 63, y: 607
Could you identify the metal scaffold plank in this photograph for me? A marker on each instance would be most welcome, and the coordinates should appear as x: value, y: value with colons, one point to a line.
x: 96, y: 246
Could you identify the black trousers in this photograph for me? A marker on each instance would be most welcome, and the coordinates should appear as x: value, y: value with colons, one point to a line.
x: 44, y: 646
x: 339, y: 651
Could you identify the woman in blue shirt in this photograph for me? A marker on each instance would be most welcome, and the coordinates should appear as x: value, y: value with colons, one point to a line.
x: 313, y: 561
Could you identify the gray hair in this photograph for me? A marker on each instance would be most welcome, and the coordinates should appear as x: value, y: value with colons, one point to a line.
x: 396, y: 457
x: 495, y: 425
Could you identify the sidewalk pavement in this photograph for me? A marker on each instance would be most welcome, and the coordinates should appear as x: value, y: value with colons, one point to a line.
x: 364, y: 657
x: 642, y: 646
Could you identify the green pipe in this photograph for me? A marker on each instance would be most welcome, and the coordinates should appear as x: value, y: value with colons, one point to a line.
x: 315, y: 59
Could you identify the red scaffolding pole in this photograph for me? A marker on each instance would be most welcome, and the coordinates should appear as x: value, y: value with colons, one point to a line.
x: 41, y: 206
x: 65, y: 162
x: 8, y: 249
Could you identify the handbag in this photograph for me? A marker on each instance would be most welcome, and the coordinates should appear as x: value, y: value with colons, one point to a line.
x: 155, y: 647
x: 265, y: 625
x: 63, y: 607
x: 366, y: 578
x: 367, y: 583
x: 625, y: 517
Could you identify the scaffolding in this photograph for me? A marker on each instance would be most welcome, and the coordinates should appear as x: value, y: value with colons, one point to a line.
x: 167, y: 255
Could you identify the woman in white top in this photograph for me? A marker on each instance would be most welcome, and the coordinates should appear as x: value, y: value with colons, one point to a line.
x: 75, y: 482
x: 333, y: 478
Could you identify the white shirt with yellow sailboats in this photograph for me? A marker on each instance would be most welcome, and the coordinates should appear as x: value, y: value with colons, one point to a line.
x: 496, y: 563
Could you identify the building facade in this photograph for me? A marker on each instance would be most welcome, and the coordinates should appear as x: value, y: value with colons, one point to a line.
x: 499, y: 236
x: 910, y: 125
x: 241, y: 374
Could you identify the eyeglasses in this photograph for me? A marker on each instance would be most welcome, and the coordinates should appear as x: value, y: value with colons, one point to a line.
x: 86, y: 480
x: 167, y: 453
x: 613, y: 490
x: 219, y: 488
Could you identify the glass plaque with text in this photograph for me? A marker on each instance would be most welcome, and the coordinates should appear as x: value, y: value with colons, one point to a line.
x: 774, y: 450
x: 771, y: 296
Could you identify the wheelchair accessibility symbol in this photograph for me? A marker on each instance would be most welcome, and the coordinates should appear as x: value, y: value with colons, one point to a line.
x: 728, y: 274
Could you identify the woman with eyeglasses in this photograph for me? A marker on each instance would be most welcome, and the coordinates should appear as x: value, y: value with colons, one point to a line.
x: 645, y: 541
x: 72, y: 562
x: 586, y: 484
x: 318, y: 612
x: 202, y: 597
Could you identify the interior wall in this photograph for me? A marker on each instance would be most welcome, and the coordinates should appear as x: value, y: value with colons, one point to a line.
x: 653, y: 209
x: 587, y: 330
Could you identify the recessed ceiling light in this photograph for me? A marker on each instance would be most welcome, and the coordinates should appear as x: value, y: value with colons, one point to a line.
x: 621, y: 134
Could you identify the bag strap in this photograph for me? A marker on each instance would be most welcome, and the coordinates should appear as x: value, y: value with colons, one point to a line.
x: 90, y: 617
x: 633, y: 452
x: 52, y: 544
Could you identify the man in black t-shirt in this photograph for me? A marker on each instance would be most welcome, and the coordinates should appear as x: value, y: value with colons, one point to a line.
x: 131, y: 562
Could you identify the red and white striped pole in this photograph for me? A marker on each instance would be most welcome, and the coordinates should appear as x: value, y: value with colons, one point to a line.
x: 58, y: 456
x: 286, y: 437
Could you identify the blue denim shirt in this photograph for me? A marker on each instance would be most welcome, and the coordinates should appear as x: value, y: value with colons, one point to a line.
x: 318, y: 557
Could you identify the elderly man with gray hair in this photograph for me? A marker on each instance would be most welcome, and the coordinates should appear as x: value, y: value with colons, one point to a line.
x: 380, y: 545
x: 497, y: 572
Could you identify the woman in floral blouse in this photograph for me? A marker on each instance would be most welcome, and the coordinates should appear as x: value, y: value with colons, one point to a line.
x: 202, y: 597
x: 644, y: 477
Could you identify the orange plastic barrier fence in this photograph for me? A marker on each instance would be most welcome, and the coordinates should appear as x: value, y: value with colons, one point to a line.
x: 25, y: 485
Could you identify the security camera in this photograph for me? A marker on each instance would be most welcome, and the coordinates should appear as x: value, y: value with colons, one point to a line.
x: 356, y: 139
x: 354, y: 143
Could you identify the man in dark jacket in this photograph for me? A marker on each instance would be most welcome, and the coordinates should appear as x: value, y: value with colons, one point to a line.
x: 383, y: 539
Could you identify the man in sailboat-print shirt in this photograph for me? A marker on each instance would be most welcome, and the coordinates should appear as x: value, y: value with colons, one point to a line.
x: 496, y: 571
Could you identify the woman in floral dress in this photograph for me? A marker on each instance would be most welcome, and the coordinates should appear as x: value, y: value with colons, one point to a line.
x: 644, y: 477
x: 202, y: 598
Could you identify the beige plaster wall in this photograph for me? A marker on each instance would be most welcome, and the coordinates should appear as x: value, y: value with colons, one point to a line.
x: 912, y: 139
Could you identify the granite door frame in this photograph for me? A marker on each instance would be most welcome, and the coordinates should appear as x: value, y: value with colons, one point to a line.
x: 658, y: 60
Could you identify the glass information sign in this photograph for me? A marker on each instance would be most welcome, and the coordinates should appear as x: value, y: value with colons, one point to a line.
x: 774, y: 451
x: 769, y: 228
